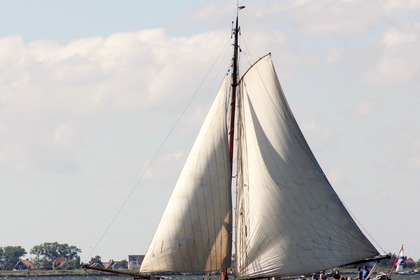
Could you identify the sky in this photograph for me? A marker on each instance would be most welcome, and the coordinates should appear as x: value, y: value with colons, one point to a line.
x: 100, y: 102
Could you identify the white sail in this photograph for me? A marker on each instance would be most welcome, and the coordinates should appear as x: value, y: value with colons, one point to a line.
x: 400, y: 260
x: 289, y: 219
x: 194, y: 234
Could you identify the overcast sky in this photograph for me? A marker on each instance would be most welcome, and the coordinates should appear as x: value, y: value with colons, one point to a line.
x: 90, y: 91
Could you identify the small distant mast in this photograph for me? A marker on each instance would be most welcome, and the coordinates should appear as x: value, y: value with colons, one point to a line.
x: 234, y: 84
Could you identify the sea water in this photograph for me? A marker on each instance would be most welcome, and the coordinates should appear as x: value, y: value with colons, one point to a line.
x: 105, y: 277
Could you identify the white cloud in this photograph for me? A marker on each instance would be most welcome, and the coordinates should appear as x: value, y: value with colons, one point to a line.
x: 65, y: 134
x: 365, y: 107
x: 392, y: 6
x: 87, y: 74
x: 312, y: 124
x: 334, y: 17
x: 395, y: 63
x: 334, y: 56
x: 414, y: 162
x: 413, y: 155
x: 394, y: 37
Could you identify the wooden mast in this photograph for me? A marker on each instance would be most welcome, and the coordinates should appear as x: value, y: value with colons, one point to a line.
x: 234, y: 84
x: 233, y: 92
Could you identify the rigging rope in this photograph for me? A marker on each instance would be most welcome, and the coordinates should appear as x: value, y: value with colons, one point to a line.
x: 364, y: 229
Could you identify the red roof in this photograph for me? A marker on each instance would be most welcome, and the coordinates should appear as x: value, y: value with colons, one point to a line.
x: 60, y: 261
x: 28, y: 264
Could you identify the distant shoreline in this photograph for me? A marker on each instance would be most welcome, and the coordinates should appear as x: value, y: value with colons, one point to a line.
x: 55, y: 273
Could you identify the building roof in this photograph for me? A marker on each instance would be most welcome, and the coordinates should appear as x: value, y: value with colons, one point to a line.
x: 110, y: 264
x: 60, y: 261
x: 97, y: 265
x: 27, y: 263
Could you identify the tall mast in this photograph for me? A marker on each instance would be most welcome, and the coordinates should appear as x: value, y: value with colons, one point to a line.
x: 235, y: 70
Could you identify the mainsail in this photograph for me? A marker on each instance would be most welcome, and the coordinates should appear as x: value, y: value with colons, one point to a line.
x: 194, y: 234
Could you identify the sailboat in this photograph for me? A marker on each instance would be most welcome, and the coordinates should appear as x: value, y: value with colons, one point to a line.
x: 397, y: 267
x: 399, y: 261
x: 288, y: 219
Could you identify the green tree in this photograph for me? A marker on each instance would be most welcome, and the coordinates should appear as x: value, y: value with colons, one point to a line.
x: 75, y: 263
x: 96, y: 259
x: 46, y: 253
x: 1, y: 258
x: 10, y: 255
x: 124, y: 264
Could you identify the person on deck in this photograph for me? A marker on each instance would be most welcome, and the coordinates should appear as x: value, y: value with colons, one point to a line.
x: 336, y: 275
x: 359, y: 273
x: 315, y: 276
x: 365, y: 273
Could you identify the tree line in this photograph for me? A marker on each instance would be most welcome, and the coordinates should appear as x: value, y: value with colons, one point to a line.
x: 45, y: 255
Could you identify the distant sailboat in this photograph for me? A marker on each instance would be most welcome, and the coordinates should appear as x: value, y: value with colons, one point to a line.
x: 289, y: 220
x: 400, y: 260
x: 397, y: 267
x: 401, y: 264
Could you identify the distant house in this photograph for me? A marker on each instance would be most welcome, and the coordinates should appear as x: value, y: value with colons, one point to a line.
x: 134, y: 261
x: 60, y: 262
x: 114, y: 265
x: 110, y: 264
x: 411, y: 263
x: 24, y: 265
x: 97, y: 265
